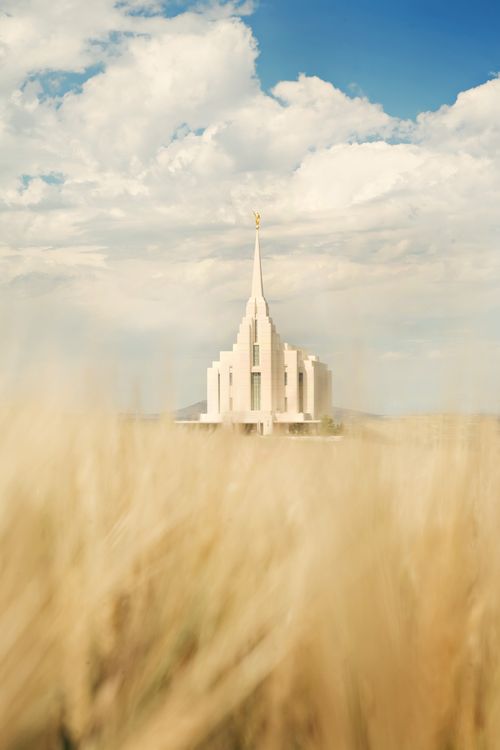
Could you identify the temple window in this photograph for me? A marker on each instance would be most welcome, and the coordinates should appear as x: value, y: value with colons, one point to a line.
x: 255, y: 355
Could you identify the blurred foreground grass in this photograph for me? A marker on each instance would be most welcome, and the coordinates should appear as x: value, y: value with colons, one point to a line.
x: 167, y: 589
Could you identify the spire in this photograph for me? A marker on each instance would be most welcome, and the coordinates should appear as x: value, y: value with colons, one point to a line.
x: 257, y: 287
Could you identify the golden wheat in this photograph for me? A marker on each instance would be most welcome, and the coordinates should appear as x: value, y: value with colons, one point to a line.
x: 162, y: 588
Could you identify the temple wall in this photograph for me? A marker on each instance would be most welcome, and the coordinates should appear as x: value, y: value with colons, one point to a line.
x: 212, y: 389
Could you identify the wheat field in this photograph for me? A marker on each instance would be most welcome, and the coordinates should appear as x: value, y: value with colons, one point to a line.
x: 163, y: 588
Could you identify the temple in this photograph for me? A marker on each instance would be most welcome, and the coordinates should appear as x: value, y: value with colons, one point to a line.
x: 263, y: 384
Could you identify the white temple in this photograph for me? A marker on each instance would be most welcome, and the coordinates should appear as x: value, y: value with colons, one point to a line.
x: 263, y: 383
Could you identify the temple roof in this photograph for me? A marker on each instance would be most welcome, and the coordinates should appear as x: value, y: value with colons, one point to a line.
x: 257, y: 286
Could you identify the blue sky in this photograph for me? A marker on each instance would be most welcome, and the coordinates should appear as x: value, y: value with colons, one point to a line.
x: 410, y: 56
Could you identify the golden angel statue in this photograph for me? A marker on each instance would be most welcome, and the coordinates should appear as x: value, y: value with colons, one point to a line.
x: 257, y: 219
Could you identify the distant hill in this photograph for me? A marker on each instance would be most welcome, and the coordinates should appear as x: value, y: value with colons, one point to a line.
x: 192, y: 413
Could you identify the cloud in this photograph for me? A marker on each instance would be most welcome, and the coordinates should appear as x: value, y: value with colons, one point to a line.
x: 135, y: 144
x: 471, y: 124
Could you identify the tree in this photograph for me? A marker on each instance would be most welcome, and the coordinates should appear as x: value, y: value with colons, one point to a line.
x: 330, y: 427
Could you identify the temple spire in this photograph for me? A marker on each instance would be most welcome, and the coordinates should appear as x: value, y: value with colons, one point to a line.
x: 257, y: 287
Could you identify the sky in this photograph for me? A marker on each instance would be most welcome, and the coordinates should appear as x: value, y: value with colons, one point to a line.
x: 409, y: 55
x: 137, y: 136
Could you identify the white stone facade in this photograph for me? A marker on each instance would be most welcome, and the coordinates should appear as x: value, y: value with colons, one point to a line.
x: 262, y: 381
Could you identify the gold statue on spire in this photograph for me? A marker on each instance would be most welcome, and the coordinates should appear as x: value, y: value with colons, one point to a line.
x: 257, y: 219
